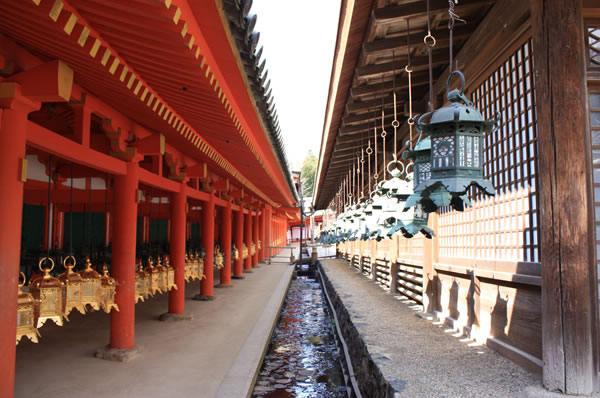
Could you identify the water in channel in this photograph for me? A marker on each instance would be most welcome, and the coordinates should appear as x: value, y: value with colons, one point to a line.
x: 302, y: 360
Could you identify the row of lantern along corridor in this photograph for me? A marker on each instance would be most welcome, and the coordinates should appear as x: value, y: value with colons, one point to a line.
x: 449, y: 189
x: 118, y: 187
x: 66, y: 253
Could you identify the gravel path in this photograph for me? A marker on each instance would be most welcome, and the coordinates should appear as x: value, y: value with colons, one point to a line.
x: 418, y: 358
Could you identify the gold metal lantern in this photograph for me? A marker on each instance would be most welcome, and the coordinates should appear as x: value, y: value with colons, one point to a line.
x: 142, y: 284
x: 108, y: 288
x: 47, y: 293
x: 252, y: 249
x: 72, y: 286
x: 25, y: 310
x: 162, y: 275
x: 154, y: 286
x: 170, y: 274
x: 235, y: 253
x: 244, y: 252
x: 218, y: 260
x: 189, y: 263
x: 90, y: 288
x: 194, y: 267
x: 200, y: 267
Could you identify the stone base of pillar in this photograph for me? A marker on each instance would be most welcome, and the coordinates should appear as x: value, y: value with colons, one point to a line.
x: 169, y: 317
x: 200, y: 297
x: 116, y: 354
x: 223, y: 285
x: 237, y: 277
x: 248, y: 271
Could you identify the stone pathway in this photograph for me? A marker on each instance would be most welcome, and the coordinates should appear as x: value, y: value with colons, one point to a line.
x: 416, y: 357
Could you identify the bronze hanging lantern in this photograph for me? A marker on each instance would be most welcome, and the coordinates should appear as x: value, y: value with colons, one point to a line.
x: 252, y: 249
x: 154, y: 286
x: 142, y: 284
x: 47, y: 292
x: 108, y: 289
x: 25, y: 319
x: 72, y: 287
x: 170, y: 274
x: 457, y: 132
x: 90, y: 288
x: 259, y: 244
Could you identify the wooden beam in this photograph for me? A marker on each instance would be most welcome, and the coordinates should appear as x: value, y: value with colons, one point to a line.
x: 569, y: 277
x: 404, y: 11
x: 418, y: 63
x: 377, y: 89
x: 399, y: 44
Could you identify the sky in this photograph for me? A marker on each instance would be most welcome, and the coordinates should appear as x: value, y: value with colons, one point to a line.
x: 299, y: 41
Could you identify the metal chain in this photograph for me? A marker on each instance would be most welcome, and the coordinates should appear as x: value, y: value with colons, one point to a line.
x: 452, y: 18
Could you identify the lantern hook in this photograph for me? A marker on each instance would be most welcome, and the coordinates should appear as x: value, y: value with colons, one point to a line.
x: 456, y: 95
x: 46, y: 269
x: 398, y: 166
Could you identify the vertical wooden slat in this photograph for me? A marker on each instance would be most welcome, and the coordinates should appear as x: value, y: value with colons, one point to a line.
x: 565, y: 196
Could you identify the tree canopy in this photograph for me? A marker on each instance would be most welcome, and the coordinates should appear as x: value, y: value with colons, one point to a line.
x: 309, y: 169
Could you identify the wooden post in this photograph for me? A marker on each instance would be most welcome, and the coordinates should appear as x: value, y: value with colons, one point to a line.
x: 569, y: 304
x: 430, y: 248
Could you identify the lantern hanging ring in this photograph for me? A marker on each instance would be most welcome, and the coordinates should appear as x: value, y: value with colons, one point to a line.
x: 42, y: 261
x: 411, y: 121
x: 24, y: 279
x: 462, y: 80
x: 395, y: 124
x: 429, y: 40
x: 383, y: 134
x: 398, y: 165
x: 369, y: 150
x: 69, y: 257
x: 408, y: 69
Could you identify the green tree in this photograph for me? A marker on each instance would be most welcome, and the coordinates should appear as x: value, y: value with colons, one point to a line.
x: 309, y: 169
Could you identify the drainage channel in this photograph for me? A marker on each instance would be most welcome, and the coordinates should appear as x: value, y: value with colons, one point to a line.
x: 303, y: 359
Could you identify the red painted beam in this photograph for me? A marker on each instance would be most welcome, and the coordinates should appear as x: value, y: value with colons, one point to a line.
x: 55, y: 144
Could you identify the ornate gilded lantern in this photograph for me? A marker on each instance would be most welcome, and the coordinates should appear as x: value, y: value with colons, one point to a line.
x: 142, y: 284
x: 194, y: 269
x: 72, y: 286
x: 259, y: 244
x: 244, y: 251
x: 162, y: 275
x: 154, y: 272
x: 457, y: 132
x: 25, y: 310
x: 170, y: 274
x: 200, y: 265
x: 235, y: 253
x: 188, y: 276
x: 108, y: 289
x: 90, y: 288
x: 252, y: 249
x: 47, y: 292
x: 218, y: 258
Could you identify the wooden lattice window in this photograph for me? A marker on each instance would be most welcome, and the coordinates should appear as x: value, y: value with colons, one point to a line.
x: 593, y: 46
x: 506, y: 226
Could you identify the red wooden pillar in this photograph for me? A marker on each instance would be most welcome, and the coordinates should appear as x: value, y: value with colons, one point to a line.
x: 261, y: 236
x: 238, y: 268
x: 248, y: 240
x: 122, y: 322
x: 226, y: 245
x: 208, y: 242
x: 177, y: 244
x: 255, y: 239
x: 13, y: 125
